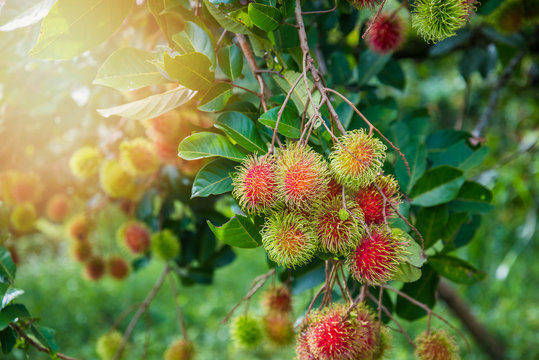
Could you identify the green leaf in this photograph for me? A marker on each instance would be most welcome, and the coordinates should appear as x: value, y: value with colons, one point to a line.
x: 213, y: 178
x: 12, y: 313
x: 407, y: 273
x: 7, y: 267
x: 74, y: 26
x: 416, y: 155
x: 437, y: 186
x: 216, y: 98
x: 190, y: 70
x: 455, y: 269
x: 239, y: 231
x: 287, y: 8
x: 265, y: 17
x: 230, y: 61
x: 206, y: 144
x: 11, y: 295
x: 194, y: 39
x: 472, y: 197
x: 422, y: 290
x: 300, y: 95
x: 289, y: 125
x: 45, y: 336
x: 129, y: 69
x: 17, y: 14
x: 151, y: 106
x: 431, y: 223
x: 226, y: 21
x: 413, y: 250
x: 370, y: 65
x: 392, y: 75
x: 8, y: 339
x: 242, y: 130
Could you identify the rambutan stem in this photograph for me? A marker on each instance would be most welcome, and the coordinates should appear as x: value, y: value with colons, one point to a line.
x: 321, y: 11
x: 373, y: 20
x: 181, y: 319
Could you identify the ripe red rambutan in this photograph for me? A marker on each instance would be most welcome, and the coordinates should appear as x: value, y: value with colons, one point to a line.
x: 277, y: 299
x: 288, y: 239
x: 255, y: 185
x: 57, y: 207
x: 334, y: 189
x: 279, y: 328
x: 78, y: 228
x: 377, y: 258
x: 95, y: 268
x: 81, y: 251
x: 371, y: 201
x: 438, y: 345
x: 387, y: 33
x: 302, y: 176
x: 118, y: 267
x: 303, y: 352
x: 135, y: 236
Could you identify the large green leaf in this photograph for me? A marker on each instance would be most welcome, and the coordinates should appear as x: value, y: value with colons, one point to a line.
x: 392, y: 75
x: 230, y: 61
x: 300, y: 95
x: 225, y: 20
x: 265, y: 17
x: 370, y: 64
x: 242, y: 130
x: 12, y: 313
x: 45, y: 336
x: 213, y: 178
x: 74, y: 26
x: 8, y: 339
x: 289, y: 125
x: 206, y: 144
x: 151, y: 106
x: 190, y: 70
x: 194, y: 39
x: 239, y: 231
x: 7, y: 267
x: 129, y: 69
x: 422, y: 290
x: 431, y: 223
x: 472, y: 197
x: 416, y: 155
x: 11, y: 295
x: 216, y: 98
x: 455, y: 269
x: 16, y: 14
x: 407, y: 273
x: 437, y: 186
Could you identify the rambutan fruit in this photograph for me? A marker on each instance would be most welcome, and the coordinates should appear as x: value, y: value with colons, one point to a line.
x: 245, y: 332
x: 377, y: 257
x: 361, y: 4
x: 118, y: 267
x: 135, y: 236
x: 168, y: 127
x: 117, y: 181
x: 302, y: 176
x: 384, y: 344
x: 78, y: 228
x: 288, y: 239
x: 18, y: 187
x: 438, y: 345
x: 181, y: 349
x: 277, y: 299
x: 436, y: 20
x: 84, y: 163
x: 95, y: 268
x: 303, y: 352
x: 108, y: 344
x: 366, y: 320
x: 255, y: 185
x: 371, y: 201
x: 23, y: 218
x: 337, y: 230
x: 81, y: 251
x: 165, y: 244
x: 334, y: 189
x: 167, y: 150
x: 360, y: 158
x: 387, y: 33
x: 278, y: 328
x: 57, y: 207
x: 139, y: 156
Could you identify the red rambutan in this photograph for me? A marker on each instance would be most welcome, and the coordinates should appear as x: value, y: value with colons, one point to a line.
x: 438, y: 345
x: 57, y: 207
x: 303, y: 352
x: 135, y: 236
x: 81, y: 250
x: 118, y: 267
x: 95, y: 268
x: 279, y: 328
x: 277, y: 299
x: 387, y: 33
x: 78, y: 228
x: 371, y: 201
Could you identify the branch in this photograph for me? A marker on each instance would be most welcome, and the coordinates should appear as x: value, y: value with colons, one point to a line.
x: 181, y: 319
x: 373, y: 20
x: 321, y: 11
x: 37, y: 345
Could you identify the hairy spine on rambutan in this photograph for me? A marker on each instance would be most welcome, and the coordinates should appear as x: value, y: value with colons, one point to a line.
x: 303, y: 352
x: 384, y: 344
x: 337, y: 228
x: 387, y: 33
x: 377, y: 257
x: 371, y: 201
x: 302, y: 176
x: 255, y: 184
x: 246, y: 332
x: 288, y: 238
x: 181, y: 349
x: 357, y: 159
x: 369, y: 340
x: 436, y: 20
x: 436, y: 345
x: 277, y: 299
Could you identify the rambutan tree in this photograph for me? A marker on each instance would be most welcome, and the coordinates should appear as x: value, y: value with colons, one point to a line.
x: 269, y: 125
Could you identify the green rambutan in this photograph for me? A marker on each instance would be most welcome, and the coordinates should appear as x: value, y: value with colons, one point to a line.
x: 95, y: 268
x: 116, y: 181
x: 23, y: 218
x: 108, y: 344
x: 135, y: 236
x: 436, y: 20
x: 371, y: 201
x: 277, y: 299
x: 302, y: 176
x: 438, y: 345
x: 118, y: 267
x: 246, y: 332
x: 165, y: 244
x: 358, y: 160
x: 181, y: 349
x: 288, y: 239
x: 377, y: 257
x: 84, y: 163
x: 337, y: 230
x: 255, y: 185
x: 279, y: 328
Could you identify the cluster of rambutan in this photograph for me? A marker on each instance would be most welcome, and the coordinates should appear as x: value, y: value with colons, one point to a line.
x: 314, y: 207
x: 339, y: 333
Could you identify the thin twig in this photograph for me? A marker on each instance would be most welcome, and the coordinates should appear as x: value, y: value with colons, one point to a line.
x: 373, y: 19
x: 37, y: 345
x: 321, y: 11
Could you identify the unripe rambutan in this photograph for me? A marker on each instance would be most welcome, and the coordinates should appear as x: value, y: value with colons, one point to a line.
x: 438, y: 345
x: 23, y: 218
x: 81, y: 251
x: 118, y: 267
x: 84, y: 163
x: 58, y: 207
x: 165, y: 244
x: 436, y: 20
x: 108, y: 344
x: 360, y: 4
x: 255, y: 185
x: 181, y: 349
x: 377, y: 258
x: 302, y: 176
x: 139, y: 156
x: 387, y: 33
x: 117, y: 181
x: 245, y: 331
x: 277, y: 299
x: 135, y: 236
x: 78, y: 228
x: 337, y: 230
x: 279, y: 328
x: 371, y: 201
x: 359, y: 161
x: 95, y: 268
x: 288, y: 239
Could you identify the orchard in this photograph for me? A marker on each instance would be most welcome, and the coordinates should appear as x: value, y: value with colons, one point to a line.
x: 269, y: 179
